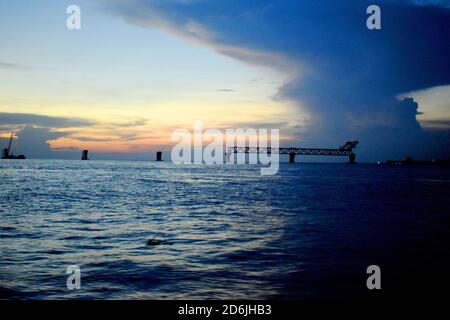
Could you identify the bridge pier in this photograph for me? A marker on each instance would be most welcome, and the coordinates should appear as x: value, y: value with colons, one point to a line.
x: 291, y: 157
x: 351, y: 158
x: 84, y: 155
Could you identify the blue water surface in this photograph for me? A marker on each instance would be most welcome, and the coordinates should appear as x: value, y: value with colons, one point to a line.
x: 227, y: 232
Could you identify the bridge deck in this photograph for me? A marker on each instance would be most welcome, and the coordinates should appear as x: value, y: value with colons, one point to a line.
x: 295, y: 151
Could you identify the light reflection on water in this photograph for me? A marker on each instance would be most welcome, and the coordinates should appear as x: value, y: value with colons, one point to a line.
x: 309, y: 231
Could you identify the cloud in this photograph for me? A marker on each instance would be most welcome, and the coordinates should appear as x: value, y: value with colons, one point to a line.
x: 225, y: 90
x: 175, y: 17
x: 9, y: 65
x: 132, y: 123
x: 14, y: 119
x: 436, y: 3
x: 434, y: 106
x: 118, y: 136
x: 32, y: 142
x: 346, y: 76
x: 33, y: 131
x: 443, y: 124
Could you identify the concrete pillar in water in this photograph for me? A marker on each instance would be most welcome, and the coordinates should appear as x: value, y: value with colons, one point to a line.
x: 159, y: 156
x: 351, y: 158
x: 291, y: 157
x: 5, y: 153
x: 84, y: 155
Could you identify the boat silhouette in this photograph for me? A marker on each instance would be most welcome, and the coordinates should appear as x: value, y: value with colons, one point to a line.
x: 7, y: 154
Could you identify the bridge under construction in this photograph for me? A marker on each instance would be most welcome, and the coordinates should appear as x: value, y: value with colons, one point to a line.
x: 345, y: 150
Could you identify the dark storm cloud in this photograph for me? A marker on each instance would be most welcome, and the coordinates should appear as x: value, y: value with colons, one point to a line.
x: 347, y: 76
x: 436, y: 3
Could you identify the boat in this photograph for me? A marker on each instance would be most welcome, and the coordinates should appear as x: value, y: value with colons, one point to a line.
x: 7, y: 154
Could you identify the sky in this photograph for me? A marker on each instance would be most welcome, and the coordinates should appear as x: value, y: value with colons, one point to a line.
x: 139, y: 69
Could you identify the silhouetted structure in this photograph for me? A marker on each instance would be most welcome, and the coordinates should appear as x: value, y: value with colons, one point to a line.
x: 84, y: 155
x: 351, y: 158
x: 6, y: 152
x: 291, y: 157
x: 345, y: 150
x: 410, y: 161
x: 159, y: 156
